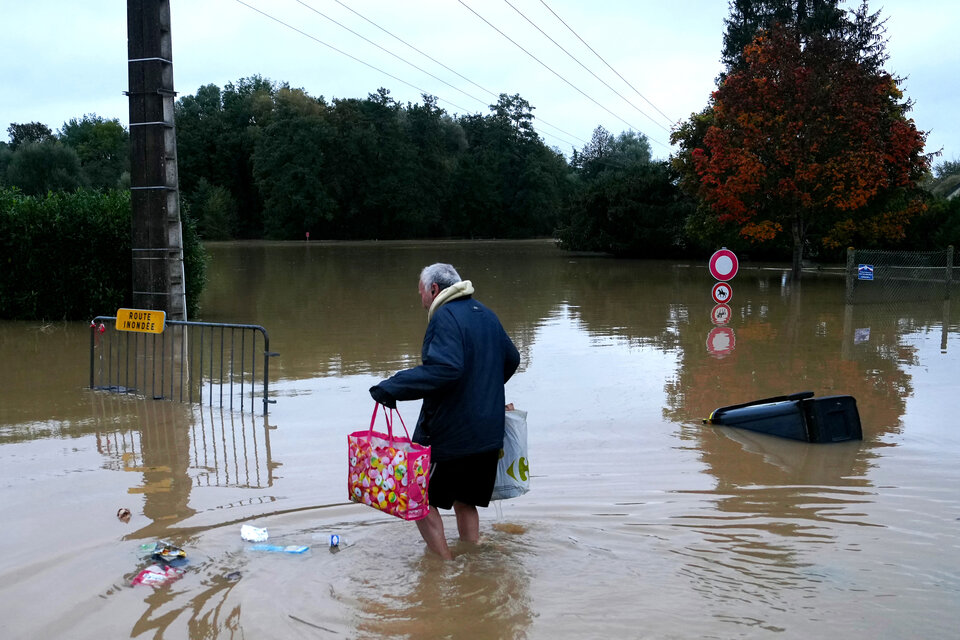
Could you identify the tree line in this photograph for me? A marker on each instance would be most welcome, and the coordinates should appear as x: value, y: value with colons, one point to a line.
x: 86, y: 152
x: 258, y: 159
x: 805, y: 147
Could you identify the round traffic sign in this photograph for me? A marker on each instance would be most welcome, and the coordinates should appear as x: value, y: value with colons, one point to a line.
x: 721, y: 341
x: 724, y: 265
x: 722, y: 292
x: 720, y: 314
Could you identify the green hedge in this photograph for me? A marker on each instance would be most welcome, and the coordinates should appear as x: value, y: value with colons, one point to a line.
x: 68, y: 255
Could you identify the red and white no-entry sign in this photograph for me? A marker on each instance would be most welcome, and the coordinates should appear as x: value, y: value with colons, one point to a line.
x: 721, y: 341
x: 720, y: 314
x: 724, y: 265
x: 722, y: 292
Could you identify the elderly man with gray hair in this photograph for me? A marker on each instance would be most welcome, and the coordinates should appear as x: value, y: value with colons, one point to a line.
x: 467, y: 358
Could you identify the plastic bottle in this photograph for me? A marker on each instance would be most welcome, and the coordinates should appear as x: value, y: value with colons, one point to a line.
x: 335, y: 540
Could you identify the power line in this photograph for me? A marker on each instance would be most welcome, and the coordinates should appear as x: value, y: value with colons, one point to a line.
x: 542, y: 121
x: 574, y: 58
x: 605, y: 62
x: 367, y: 64
x: 415, y: 49
x: 388, y: 51
x: 495, y: 95
x: 547, y: 67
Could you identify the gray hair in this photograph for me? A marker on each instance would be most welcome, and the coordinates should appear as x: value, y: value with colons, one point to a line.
x: 444, y: 275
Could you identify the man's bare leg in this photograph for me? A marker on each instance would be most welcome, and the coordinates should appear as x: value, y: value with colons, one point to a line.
x: 431, y: 529
x: 468, y: 521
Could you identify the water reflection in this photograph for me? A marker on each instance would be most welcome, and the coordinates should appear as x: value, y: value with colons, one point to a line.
x: 177, y: 447
x: 485, y: 590
x: 780, y: 509
x: 210, y: 611
x: 806, y: 341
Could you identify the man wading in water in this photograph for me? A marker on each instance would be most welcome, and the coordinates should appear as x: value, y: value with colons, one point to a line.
x: 467, y: 358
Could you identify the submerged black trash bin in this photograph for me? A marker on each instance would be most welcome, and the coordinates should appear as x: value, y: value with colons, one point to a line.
x: 798, y: 416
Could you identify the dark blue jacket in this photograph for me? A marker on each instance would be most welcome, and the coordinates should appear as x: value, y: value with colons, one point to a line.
x: 467, y: 358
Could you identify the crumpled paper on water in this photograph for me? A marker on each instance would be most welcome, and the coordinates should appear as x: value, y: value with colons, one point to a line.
x: 253, y: 534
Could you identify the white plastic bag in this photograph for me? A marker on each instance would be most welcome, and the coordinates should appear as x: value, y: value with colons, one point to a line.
x: 513, y: 469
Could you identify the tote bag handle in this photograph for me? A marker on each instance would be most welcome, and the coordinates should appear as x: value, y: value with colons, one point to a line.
x: 388, y: 417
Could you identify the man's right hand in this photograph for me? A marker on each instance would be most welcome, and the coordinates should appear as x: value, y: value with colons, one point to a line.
x: 384, y: 398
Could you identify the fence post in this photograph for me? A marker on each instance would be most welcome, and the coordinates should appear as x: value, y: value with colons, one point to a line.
x: 851, y: 270
x: 266, y: 371
x: 949, y: 269
x: 93, y: 332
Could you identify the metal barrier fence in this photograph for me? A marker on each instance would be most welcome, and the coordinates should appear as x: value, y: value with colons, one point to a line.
x: 188, y: 361
x: 900, y: 276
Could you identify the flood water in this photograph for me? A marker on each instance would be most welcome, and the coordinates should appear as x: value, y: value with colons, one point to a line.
x: 641, y: 521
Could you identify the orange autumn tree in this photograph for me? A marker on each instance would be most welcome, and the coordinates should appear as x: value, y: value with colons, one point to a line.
x: 805, y: 138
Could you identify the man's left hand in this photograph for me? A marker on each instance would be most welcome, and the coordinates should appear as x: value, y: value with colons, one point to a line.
x: 384, y: 398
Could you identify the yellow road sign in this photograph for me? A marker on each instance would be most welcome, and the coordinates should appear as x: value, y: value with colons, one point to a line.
x: 140, y: 320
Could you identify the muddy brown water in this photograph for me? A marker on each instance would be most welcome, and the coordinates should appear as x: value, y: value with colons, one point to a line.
x: 641, y: 522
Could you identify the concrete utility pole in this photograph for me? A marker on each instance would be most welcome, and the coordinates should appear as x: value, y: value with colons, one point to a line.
x: 158, y: 278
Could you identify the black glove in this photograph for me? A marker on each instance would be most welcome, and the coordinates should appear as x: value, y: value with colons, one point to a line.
x: 384, y: 398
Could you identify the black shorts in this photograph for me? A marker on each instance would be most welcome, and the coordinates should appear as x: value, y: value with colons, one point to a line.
x: 469, y: 480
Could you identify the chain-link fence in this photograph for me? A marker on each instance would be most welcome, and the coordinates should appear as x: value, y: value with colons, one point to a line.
x: 900, y: 276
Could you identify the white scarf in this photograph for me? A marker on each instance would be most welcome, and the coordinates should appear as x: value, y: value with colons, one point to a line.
x: 454, y: 291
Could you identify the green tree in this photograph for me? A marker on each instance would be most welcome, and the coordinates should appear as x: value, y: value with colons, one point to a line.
x: 92, y: 228
x: 247, y: 110
x: 942, y: 183
x: 947, y: 168
x: 511, y: 184
x: 388, y: 179
x: 624, y: 204
x: 289, y: 167
x: 217, y: 133
x: 437, y: 142
x: 364, y: 168
x: 38, y: 167
x: 214, y: 210
x: 937, y: 227
x: 6, y: 155
x: 28, y: 132
x: 806, y: 18
x: 199, y: 120
x: 351, y: 172
x: 102, y: 146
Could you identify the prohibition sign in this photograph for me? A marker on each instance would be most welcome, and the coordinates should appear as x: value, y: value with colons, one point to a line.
x: 720, y: 314
x: 724, y: 265
x: 722, y: 292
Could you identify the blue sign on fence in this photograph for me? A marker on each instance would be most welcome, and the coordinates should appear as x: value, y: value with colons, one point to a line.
x: 865, y: 272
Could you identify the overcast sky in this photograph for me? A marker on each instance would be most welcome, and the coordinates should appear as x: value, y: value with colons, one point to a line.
x: 60, y: 59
